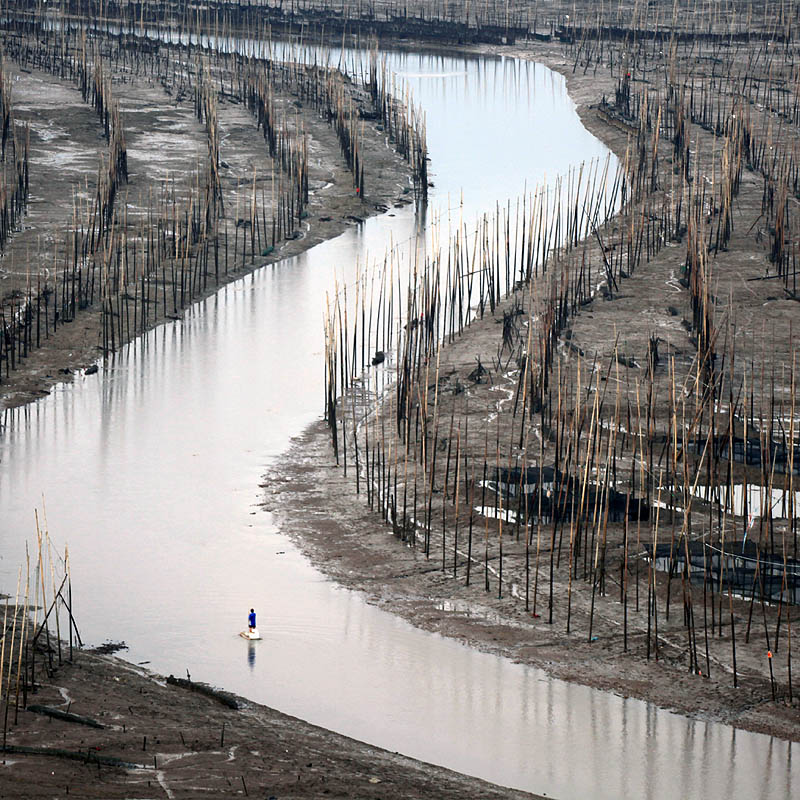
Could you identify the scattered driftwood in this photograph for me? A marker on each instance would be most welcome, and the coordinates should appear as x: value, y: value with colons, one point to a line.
x: 74, y: 755
x: 66, y: 716
x: 477, y: 375
x: 226, y: 698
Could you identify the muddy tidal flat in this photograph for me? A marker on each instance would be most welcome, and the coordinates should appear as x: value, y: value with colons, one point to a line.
x: 569, y: 437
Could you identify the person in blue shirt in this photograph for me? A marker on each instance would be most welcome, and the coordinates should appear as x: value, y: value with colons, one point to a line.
x: 251, y: 620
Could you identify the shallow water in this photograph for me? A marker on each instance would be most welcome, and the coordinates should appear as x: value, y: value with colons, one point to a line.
x: 150, y: 473
x: 756, y: 502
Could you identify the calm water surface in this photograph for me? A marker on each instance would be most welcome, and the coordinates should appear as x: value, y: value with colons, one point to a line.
x: 150, y: 473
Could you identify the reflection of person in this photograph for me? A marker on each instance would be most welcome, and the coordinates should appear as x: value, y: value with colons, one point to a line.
x: 251, y: 654
x: 251, y: 620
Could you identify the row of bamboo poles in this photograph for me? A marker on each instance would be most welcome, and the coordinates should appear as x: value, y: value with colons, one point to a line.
x: 737, y: 105
x: 495, y: 21
x: 14, y: 144
x: 39, y: 630
x: 186, y: 241
x: 479, y: 21
x: 151, y: 52
x: 614, y: 477
x: 148, y: 51
x: 595, y: 467
x: 404, y: 121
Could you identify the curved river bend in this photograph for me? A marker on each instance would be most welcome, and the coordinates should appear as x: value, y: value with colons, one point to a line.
x: 150, y: 471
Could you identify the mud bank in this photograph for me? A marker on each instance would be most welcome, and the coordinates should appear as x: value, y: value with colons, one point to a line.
x: 356, y: 547
x: 161, y: 740
x: 314, y: 504
x: 166, y: 148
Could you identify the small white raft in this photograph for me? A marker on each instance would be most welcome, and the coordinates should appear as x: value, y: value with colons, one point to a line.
x: 251, y: 635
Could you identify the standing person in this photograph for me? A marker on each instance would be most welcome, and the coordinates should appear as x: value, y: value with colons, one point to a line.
x: 251, y: 620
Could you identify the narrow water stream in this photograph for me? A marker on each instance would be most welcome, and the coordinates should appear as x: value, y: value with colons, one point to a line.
x: 150, y: 473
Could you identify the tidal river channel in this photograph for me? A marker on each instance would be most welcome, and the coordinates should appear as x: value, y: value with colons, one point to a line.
x: 150, y: 472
